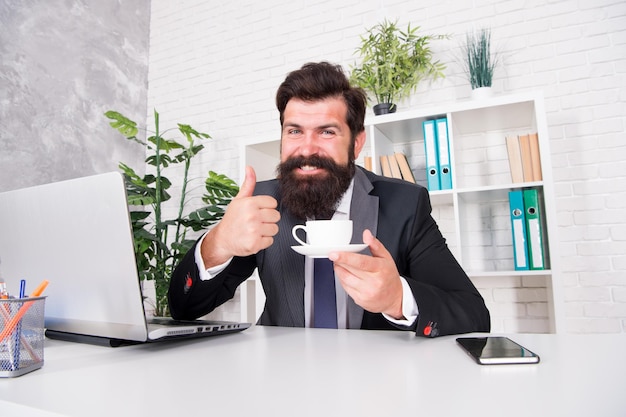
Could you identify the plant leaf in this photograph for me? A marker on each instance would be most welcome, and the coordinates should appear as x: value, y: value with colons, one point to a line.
x: 123, y: 124
x: 219, y: 189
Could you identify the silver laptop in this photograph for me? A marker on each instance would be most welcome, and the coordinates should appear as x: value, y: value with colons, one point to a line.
x: 77, y: 235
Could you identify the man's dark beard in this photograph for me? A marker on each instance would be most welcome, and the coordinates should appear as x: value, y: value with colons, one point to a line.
x: 315, y: 196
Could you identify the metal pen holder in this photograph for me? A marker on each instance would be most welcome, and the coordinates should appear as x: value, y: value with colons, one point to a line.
x: 21, y: 335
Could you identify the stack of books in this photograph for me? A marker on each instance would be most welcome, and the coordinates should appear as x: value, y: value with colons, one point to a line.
x: 524, y: 158
x: 393, y: 166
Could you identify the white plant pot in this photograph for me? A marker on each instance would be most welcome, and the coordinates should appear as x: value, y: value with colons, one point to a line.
x: 482, y: 93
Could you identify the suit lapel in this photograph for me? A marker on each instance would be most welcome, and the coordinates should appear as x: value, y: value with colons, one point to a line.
x: 364, y: 207
x: 364, y: 215
x: 291, y: 265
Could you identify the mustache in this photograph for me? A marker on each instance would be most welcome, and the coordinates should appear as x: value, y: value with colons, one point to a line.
x: 313, y: 161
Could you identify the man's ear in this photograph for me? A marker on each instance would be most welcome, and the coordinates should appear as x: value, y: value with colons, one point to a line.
x: 359, y: 142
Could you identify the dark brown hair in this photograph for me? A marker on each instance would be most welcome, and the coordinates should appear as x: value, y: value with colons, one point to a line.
x: 318, y: 81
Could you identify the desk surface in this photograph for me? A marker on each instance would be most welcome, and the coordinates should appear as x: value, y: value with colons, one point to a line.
x: 314, y: 372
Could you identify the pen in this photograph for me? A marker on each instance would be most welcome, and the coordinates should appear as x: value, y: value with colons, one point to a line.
x: 39, y: 290
x: 22, y: 288
x: 4, y: 294
x: 15, y: 364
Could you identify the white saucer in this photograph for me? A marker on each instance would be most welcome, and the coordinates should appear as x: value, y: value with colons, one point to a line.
x: 323, y: 251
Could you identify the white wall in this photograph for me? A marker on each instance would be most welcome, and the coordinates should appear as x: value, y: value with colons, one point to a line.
x: 216, y: 65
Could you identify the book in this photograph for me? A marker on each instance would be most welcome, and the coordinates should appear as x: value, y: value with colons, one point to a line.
x: 534, y: 230
x: 395, y: 168
x: 384, y: 165
x: 405, y: 169
x: 518, y: 229
x: 527, y: 167
x: 367, y: 163
x: 443, y: 152
x: 515, y: 159
x: 430, y: 148
x: 535, y: 159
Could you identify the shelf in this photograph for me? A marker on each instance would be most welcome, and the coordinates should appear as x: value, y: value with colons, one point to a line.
x: 509, y: 273
x: 497, y: 188
x: 509, y: 112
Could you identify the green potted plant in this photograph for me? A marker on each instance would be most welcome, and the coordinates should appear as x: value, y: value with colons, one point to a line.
x: 393, y: 63
x: 160, y: 243
x: 479, y: 61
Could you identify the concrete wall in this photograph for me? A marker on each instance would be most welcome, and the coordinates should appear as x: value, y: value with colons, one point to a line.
x: 62, y: 65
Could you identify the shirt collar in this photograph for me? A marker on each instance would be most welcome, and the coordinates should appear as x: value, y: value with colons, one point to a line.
x: 346, y: 199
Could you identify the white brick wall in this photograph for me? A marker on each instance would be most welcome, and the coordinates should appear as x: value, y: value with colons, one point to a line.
x: 216, y: 65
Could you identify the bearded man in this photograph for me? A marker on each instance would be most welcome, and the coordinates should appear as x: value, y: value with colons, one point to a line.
x: 407, y: 279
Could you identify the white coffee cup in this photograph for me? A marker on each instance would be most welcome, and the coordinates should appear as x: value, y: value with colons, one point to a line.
x: 325, y: 232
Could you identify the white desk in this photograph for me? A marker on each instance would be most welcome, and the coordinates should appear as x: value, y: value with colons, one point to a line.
x: 279, y: 372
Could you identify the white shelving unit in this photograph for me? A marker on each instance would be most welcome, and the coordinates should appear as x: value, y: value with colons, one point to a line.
x: 474, y: 215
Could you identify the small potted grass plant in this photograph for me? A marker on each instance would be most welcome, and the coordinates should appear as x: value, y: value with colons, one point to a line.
x: 479, y: 61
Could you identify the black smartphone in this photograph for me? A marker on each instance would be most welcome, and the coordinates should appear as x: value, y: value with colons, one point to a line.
x: 496, y: 350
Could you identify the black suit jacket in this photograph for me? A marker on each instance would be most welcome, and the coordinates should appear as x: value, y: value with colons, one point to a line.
x: 398, y: 214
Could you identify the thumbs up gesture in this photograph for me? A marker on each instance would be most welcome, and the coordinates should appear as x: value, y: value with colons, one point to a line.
x: 249, y: 182
x: 248, y: 226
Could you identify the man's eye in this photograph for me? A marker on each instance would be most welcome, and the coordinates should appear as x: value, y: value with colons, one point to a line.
x: 328, y: 132
x: 294, y: 131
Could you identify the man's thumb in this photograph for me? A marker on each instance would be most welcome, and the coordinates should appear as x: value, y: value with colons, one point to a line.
x: 249, y: 182
x: 376, y: 248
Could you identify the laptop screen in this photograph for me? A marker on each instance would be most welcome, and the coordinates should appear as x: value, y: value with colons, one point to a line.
x: 77, y: 235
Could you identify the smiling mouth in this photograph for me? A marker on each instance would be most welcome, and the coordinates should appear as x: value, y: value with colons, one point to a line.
x: 311, y: 170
